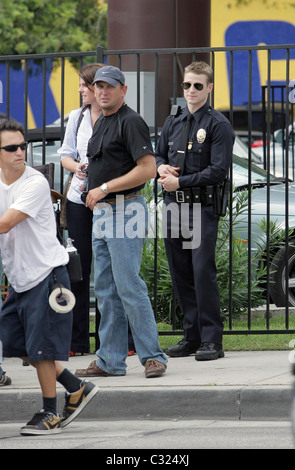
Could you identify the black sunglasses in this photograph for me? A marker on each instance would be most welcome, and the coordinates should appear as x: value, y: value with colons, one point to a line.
x: 187, y: 85
x: 14, y: 147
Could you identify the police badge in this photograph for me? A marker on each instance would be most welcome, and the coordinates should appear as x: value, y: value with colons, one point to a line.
x: 201, y: 135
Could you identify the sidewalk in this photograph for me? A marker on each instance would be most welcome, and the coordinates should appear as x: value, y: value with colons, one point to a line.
x: 243, y: 385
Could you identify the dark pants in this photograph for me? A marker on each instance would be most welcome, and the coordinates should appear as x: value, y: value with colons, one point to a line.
x: 29, y: 326
x: 193, y: 273
x: 79, y: 220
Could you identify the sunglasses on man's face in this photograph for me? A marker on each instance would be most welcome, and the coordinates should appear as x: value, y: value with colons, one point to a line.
x: 187, y: 85
x: 13, y: 147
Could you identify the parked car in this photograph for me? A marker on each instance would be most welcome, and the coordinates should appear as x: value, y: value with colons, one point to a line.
x: 276, y: 152
x: 270, y: 192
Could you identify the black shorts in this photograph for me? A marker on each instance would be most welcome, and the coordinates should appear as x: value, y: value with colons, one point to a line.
x: 30, y: 328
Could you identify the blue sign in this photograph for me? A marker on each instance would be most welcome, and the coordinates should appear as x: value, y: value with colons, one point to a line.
x: 16, y: 105
x: 246, y: 33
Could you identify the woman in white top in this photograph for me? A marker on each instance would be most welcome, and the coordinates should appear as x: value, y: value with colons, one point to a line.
x: 79, y: 217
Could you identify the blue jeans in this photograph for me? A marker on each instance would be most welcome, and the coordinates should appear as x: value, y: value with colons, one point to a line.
x: 119, y: 232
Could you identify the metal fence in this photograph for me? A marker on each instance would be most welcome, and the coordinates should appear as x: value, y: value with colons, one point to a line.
x: 261, y: 110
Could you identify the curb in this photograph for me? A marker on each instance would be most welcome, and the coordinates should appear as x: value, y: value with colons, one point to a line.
x: 228, y: 402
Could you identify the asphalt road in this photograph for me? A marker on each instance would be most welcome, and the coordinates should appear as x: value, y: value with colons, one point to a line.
x: 150, y: 439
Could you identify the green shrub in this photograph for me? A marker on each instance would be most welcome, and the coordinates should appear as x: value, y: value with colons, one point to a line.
x: 232, y: 255
x: 233, y: 290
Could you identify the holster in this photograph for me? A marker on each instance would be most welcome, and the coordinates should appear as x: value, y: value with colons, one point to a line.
x: 221, y: 194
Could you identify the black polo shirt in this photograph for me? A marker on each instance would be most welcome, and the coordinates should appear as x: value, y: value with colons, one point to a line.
x: 117, y: 142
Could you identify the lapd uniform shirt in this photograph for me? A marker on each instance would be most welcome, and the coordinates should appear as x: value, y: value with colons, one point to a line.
x: 208, y: 159
x: 116, y: 144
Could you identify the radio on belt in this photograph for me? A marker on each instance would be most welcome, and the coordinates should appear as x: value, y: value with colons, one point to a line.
x: 74, y: 265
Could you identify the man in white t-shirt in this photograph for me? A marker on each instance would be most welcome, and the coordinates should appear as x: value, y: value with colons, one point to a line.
x: 33, y: 260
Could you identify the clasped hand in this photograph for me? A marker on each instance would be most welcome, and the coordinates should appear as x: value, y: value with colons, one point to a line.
x: 169, y: 177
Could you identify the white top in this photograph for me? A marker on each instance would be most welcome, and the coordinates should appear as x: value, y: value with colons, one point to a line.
x: 73, y: 145
x: 30, y: 250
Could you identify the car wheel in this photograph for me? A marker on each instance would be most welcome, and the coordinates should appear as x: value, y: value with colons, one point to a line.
x: 278, y: 277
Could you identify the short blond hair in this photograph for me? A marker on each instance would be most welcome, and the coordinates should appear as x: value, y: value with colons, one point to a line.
x: 200, y: 68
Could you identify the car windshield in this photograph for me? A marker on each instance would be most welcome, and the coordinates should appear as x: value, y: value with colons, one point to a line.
x: 241, y: 149
x: 241, y: 173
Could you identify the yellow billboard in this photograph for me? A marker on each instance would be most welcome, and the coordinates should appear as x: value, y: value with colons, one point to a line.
x: 251, y: 23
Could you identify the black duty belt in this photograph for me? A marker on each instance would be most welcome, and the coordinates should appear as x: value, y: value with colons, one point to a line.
x: 203, y: 195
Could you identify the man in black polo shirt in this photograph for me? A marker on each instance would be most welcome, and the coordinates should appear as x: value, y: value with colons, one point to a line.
x: 121, y: 160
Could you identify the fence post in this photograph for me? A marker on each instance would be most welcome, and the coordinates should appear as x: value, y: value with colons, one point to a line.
x: 100, y: 54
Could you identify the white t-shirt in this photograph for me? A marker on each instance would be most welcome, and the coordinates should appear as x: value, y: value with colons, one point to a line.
x: 74, y: 144
x: 30, y: 250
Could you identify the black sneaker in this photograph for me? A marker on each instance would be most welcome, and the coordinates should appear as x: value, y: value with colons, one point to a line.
x: 75, y: 402
x: 4, y: 380
x: 42, y: 423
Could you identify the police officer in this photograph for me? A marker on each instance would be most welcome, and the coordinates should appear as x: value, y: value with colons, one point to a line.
x: 193, y: 158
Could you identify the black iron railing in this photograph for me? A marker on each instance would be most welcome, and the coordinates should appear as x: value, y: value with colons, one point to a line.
x: 256, y: 109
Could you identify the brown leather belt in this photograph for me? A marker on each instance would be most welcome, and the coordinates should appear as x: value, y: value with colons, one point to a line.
x: 126, y: 197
